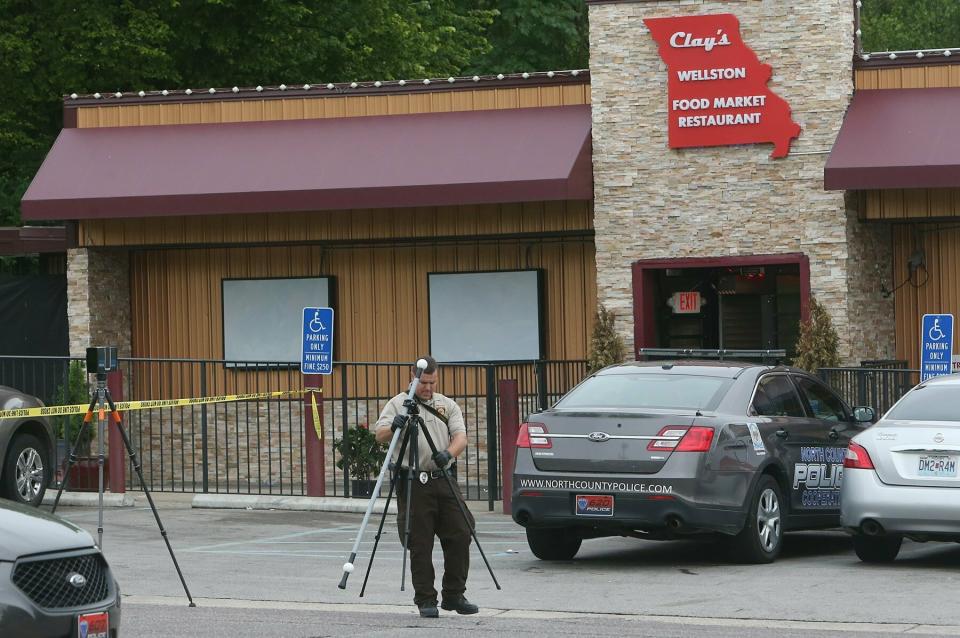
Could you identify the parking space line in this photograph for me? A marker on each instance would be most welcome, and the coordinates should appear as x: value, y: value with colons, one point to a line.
x: 388, y: 554
x: 274, y: 538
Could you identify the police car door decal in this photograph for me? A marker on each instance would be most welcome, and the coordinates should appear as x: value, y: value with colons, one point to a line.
x: 818, y: 475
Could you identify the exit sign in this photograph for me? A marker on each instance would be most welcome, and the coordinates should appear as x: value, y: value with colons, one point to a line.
x: 686, y: 303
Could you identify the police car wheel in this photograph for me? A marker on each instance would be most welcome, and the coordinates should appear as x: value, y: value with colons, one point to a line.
x: 553, y: 544
x: 877, y: 549
x: 25, y: 473
x: 762, y: 536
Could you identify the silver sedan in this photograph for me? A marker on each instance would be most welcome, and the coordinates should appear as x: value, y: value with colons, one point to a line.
x: 900, y: 476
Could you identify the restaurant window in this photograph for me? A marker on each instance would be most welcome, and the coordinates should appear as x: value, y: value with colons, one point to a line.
x: 486, y: 316
x: 262, y: 318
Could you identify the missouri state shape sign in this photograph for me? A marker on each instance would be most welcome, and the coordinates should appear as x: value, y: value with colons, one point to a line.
x: 717, y: 89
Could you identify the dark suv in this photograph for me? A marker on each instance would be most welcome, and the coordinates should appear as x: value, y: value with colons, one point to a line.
x: 26, y: 450
x: 664, y: 450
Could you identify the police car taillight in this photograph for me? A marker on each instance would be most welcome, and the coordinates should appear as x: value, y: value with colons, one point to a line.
x: 697, y: 439
x: 661, y: 445
x: 531, y: 435
x: 857, y: 458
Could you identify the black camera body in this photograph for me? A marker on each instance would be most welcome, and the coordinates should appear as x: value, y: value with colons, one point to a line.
x: 101, y: 360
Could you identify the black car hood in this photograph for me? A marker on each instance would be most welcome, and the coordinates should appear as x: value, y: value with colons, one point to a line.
x: 27, y: 530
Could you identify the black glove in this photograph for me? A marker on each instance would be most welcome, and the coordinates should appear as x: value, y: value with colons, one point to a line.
x: 398, y: 422
x: 442, y: 458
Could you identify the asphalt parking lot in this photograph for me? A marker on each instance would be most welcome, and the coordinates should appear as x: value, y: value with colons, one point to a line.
x: 252, y: 566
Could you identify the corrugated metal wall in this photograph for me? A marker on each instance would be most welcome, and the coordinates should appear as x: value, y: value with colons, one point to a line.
x: 919, y: 202
x: 935, y: 290
x: 381, y: 284
x: 258, y: 110
x: 342, y: 226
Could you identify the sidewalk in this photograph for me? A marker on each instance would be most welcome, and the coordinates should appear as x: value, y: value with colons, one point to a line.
x: 238, y: 501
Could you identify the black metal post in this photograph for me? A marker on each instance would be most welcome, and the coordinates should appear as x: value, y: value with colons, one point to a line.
x: 542, y: 384
x: 345, y: 412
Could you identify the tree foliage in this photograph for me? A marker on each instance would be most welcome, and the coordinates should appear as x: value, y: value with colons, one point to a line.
x: 606, y: 346
x: 902, y: 25
x: 56, y: 47
x: 818, y: 345
x: 534, y: 35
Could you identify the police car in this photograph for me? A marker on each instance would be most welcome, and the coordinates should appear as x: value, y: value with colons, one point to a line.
x: 662, y: 450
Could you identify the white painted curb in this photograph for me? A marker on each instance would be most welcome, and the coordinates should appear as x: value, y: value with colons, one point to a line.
x: 303, y: 503
x: 88, y: 499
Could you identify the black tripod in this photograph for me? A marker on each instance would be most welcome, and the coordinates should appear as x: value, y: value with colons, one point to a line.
x: 410, y: 434
x: 101, y: 399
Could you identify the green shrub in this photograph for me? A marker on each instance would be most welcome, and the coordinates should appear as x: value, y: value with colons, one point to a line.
x: 606, y: 346
x: 818, y: 345
x: 361, y: 448
x: 75, y: 391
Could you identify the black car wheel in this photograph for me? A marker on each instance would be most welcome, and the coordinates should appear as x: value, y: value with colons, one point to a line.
x: 553, y: 544
x: 25, y: 471
x: 762, y: 536
x: 877, y: 549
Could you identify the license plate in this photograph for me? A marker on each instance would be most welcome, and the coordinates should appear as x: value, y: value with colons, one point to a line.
x: 93, y: 625
x: 594, y: 505
x: 937, y: 466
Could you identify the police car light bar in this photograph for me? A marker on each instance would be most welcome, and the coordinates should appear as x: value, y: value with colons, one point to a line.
x: 712, y: 354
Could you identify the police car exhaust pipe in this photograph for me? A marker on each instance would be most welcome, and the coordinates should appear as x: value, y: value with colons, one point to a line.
x: 871, y: 527
x: 674, y: 522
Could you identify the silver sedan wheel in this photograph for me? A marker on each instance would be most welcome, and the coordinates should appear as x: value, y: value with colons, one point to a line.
x: 768, y: 520
x: 29, y: 473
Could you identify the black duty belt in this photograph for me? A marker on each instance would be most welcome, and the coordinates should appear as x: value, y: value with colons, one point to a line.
x: 435, y: 474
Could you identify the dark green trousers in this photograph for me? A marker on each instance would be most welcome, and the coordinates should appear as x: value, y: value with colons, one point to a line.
x: 434, y: 513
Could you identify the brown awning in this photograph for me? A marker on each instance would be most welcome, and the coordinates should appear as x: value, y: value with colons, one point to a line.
x: 897, y: 138
x: 434, y: 159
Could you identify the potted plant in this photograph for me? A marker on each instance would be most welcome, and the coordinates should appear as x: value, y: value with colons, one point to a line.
x: 364, y: 457
x: 84, y: 473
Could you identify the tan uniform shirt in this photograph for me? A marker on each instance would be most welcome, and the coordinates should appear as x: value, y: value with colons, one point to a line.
x: 440, y: 433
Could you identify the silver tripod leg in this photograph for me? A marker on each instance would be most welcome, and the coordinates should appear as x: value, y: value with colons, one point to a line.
x: 348, y: 566
x: 101, y: 418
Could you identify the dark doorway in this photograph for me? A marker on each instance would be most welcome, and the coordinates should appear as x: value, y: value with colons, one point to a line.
x: 749, y: 303
x: 33, y: 313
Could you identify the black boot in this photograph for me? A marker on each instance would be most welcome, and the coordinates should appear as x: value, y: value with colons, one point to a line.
x: 428, y: 609
x: 460, y: 605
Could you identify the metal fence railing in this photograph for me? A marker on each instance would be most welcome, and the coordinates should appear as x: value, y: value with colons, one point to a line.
x: 878, y: 388
x: 257, y: 446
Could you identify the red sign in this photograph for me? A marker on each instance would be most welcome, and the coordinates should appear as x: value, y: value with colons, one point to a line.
x: 685, y: 303
x: 717, y: 91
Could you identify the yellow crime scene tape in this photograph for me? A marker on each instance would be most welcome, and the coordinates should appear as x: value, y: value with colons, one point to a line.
x: 124, y: 406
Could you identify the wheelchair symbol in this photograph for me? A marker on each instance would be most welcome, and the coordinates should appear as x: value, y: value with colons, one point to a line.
x: 315, y: 324
x: 935, y: 333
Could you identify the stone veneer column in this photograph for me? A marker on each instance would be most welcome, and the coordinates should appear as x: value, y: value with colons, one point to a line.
x: 98, y: 300
x: 655, y: 202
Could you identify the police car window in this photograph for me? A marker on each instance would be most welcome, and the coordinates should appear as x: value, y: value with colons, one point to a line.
x: 822, y: 402
x: 928, y: 403
x: 646, y: 390
x: 775, y: 397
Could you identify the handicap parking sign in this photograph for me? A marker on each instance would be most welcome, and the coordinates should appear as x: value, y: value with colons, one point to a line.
x: 936, y: 346
x: 317, y: 353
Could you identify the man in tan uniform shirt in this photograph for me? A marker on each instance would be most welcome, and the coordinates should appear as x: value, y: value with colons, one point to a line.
x: 433, y: 509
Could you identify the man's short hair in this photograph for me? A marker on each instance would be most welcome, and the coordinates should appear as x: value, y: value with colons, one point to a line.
x: 432, y: 364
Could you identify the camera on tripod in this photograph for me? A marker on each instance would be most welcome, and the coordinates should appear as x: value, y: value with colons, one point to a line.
x: 101, y: 360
